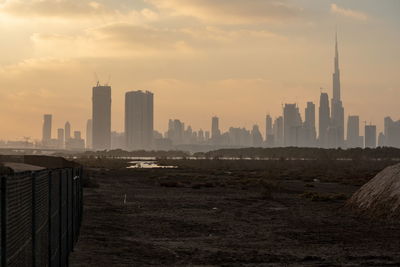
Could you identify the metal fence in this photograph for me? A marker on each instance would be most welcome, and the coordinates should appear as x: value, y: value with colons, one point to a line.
x: 41, y: 215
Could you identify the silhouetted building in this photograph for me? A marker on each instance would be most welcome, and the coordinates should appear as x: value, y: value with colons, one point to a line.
x: 175, y: 132
x: 207, y: 135
x: 76, y: 143
x: 60, y: 138
x: 370, y: 136
x: 324, y: 120
x: 215, y: 131
x: 67, y: 131
x: 89, y: 134
x: 256, y: 137
x: 101, y: 117
x: 337, y: 116
x: 201, y: 136
x: 46, y: 132
x: 269, y: 133
x: 381, y: 140
x: 310, y: 133
x: 278, y: 132
x: 291, y: 125
x: 238, y: 137
x: 139, y: 120
x: 353, y: 132
x: 392, y: 133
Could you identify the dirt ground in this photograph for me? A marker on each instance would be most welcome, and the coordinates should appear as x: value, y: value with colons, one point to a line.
x: 187, y: 217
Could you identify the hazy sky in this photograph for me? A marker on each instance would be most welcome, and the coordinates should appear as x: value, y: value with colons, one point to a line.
x: 237, y: 59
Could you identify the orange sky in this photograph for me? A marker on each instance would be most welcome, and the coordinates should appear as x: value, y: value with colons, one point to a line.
x: 235, y: 59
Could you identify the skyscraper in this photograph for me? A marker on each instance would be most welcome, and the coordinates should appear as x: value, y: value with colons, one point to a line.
x: 278, y: 132
x: 269, y: 135
x: 60, y: 138
x: 353, y: 132
x: 324, y: 119
x: 291, y: 124
x: 89, y: 133
x: 337, y: 106
x: 67, y: 131
x: 370, y: 136
x: 256, y: 137
x: 139, y: 120
x: 392, y: 133
x: 215, y: 131
x: 309, y: 125
x: 46, y: 132
x: 101, y: 117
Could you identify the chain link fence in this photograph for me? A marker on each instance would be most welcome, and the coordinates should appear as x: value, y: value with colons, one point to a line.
x: 41, y: 215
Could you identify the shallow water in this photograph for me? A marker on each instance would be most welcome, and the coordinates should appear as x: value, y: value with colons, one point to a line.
x: 138, y: 164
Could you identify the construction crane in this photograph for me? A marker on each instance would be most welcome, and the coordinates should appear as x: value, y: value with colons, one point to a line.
x: 96, y: 79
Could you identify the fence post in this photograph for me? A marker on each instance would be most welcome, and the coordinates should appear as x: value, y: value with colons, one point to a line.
x: 73, y: 209
x: 4, y: 221
x: 33, y: 177
x: 67, y: 207
x: 49, y: 238
x: 60, y: 245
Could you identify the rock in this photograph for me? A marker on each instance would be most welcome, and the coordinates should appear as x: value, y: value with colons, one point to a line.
x: 380, y: 197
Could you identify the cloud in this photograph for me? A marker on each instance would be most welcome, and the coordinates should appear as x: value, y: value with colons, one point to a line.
x: 54, y: 8
x: 231, y: 11
x: 353, y: 14
x: 131, y: 34
x: 123, y: 39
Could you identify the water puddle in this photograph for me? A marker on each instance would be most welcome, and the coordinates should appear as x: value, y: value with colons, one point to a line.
x: 139, y: 164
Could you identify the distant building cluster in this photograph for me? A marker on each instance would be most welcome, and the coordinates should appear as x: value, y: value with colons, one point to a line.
x: 289, y: 129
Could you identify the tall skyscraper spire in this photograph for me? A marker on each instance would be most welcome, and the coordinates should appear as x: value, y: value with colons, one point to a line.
x: 336, y: 74
x: 337, y: 117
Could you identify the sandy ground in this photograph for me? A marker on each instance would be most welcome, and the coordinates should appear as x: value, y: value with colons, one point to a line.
x: 173, y: 218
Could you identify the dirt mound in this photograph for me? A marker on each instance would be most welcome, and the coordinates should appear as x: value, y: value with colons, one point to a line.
x: 380, y: 197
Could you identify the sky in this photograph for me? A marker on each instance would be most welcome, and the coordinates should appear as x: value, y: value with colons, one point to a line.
x: 237, y: 59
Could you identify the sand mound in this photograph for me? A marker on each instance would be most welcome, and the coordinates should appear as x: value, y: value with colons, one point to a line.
x: 380, y: 197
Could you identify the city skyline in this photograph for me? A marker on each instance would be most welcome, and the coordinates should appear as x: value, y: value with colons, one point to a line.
x: 284, y: 56
x: 288, y: 130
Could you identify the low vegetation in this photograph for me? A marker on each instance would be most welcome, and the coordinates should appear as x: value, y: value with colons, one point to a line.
x: 356, y: 172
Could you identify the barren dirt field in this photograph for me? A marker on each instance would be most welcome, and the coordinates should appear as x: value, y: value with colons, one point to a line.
x: 228, y: 217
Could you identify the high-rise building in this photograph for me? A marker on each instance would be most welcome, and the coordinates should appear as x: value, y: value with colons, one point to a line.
x: 46, y: 133
x: 239, y: 137
x: 370, y: 136
x: 269, y: 134
x: 324, y: 119
x: 67, y: 131
x: 291, y: 125
x: 175, y: 132
x: 215, y: 131
x: 381, y: 140
x: 309, y: 125
x: 256, y: 136
x: 101, y: 117
x: 89, y: 134
x: 353, y: 132
x: 392, y: 133
x: 60, y: 138
x: 207, y: 135
x: 337, y: 112
x: 139, y: 120
x: 75, y: 143
x: 77, y: 135
x: 278, y: 132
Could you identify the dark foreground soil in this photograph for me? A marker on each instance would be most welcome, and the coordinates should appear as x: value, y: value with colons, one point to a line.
x: 188, y: 217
